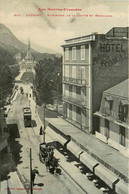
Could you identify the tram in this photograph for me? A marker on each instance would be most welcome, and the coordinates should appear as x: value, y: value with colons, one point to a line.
x: 27, y: 116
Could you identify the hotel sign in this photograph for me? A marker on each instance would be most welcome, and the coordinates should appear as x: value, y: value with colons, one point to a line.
x: 112, y: 48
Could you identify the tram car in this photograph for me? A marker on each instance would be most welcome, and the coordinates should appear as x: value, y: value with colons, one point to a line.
x: 27, y: 116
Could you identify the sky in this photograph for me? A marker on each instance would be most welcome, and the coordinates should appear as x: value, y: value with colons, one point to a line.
x: 51, y: 31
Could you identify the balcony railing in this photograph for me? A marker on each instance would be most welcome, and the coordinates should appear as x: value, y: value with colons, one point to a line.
x: 74, y: 81
x: 80, y: 102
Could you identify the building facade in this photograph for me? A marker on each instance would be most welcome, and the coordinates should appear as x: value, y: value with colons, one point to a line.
x: 92, y: 64
x: 113, y: 115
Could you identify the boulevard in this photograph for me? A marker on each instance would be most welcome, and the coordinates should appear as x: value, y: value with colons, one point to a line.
x: 25, y: 138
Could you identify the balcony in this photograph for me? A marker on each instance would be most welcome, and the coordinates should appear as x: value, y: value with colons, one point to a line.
x: 78, y: 102
x: 74, y: 81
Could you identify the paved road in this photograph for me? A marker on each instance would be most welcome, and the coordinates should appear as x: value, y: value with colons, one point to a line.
x: 29, y: 138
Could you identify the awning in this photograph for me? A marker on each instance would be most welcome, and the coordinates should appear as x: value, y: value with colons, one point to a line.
x: 105, y: 175
x: 108, y: 98
x: 122, y: 188
x: 72, y: 147
x: 125, y: 102
x: 88, y: 161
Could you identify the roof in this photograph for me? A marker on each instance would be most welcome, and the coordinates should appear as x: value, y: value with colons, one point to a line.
x: 120, y: 89
x: 118, y: 32
x: 81, y: 39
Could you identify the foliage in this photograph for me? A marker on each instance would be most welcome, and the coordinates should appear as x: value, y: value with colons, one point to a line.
x: 6, y: 57
x: 48, y: 79
x: 14, y: 69
x: 41, y: 56
x: 7, y: 76
x: 6, y: 82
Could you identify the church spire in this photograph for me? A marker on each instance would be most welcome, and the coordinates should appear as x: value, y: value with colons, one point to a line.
x: 28, y: 44
x: 28, y: 56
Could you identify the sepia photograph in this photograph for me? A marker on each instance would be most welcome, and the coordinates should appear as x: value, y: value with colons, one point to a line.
x: 64, y: 98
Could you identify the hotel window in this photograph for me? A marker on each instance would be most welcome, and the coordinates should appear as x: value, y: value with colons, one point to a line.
x: 78, y: 90
x: 66, y: 71
x: 82, y: 52
x: 74, y: 92
x: 73, y: 71
x: 66, y: 53
x: 78, y: 110
x: 123, y: 111
x: 66, y: 90
x: 73, y: 53
x: 108, y: 105
x: 70, y: 91
x: 83, y: 92
x: 74, y: 113
x: 83, y: 75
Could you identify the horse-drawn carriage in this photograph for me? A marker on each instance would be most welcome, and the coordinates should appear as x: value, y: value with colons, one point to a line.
x: 46, y: 156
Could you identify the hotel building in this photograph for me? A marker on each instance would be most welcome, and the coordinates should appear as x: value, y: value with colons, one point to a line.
x: 92, y: 64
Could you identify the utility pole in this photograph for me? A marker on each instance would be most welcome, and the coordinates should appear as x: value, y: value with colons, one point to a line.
x: 31, y: 186
x: 44, y: 125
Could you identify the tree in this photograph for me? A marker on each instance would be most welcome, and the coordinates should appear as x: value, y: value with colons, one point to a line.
x: 47, y: 74
x: 5, y: 77
x: 6, y: 57
x: 6, y: 82
x: 14, y: 69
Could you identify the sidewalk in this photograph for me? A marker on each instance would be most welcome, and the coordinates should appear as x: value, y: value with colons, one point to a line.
x: 92, y: 145
x: 111, y: 164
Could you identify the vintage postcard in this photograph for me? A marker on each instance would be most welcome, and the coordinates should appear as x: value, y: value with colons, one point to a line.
x: 64, y: 97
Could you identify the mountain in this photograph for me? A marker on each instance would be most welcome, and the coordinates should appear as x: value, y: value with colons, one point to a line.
x: 9, y: 42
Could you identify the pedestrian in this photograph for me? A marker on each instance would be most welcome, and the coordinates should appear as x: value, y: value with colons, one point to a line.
x: 33, y: 174
x: 41, y: 131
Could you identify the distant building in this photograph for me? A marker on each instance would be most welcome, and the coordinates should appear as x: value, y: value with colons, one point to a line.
x: 3, y: 131
x: 4, y: 146
x: 92, y: 64
x: 29, y: 63
x: 113, y: 115
x: 28, y: 54
x: 18, y: 57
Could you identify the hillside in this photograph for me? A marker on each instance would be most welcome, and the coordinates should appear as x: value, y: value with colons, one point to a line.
x: 10, y: 43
